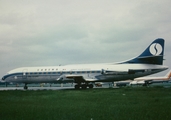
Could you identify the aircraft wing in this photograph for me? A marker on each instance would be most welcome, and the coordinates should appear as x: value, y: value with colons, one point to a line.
x: 78, y: 78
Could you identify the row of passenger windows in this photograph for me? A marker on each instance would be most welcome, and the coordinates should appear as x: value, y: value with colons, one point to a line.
x: 47, y: 69
x: 62, y: 72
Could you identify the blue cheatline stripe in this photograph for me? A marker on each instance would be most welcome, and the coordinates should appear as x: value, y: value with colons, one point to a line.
x: 9, y: 75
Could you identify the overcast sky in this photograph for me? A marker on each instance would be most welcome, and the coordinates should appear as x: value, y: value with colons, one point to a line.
x: 53, y: 32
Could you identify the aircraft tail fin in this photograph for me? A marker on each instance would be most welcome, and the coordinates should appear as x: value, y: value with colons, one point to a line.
x: 152, y: 55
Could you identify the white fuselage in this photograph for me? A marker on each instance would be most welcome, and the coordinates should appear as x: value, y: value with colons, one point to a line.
x: 90, y: 73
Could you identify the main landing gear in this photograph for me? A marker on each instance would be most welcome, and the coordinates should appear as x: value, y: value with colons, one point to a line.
x: 25, y: 87
x: 83, y: 86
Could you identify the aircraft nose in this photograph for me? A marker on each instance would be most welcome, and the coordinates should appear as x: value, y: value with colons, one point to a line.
x: 3, y: 78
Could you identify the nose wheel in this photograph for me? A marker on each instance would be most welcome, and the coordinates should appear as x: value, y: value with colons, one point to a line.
x: 25, y: 87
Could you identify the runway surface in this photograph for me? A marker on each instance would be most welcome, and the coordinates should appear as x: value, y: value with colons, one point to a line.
x: 35, y: 88
x: 44, y: 88
x: 3, y: 87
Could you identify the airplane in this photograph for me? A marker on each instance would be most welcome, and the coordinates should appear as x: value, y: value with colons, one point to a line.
x: 85, y: 75
x: 149, y: 80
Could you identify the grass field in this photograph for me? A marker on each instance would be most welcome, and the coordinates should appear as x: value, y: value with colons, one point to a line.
x: 138, y: 103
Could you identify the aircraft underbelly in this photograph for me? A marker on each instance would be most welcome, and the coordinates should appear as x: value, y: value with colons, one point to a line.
x: 32, y: 79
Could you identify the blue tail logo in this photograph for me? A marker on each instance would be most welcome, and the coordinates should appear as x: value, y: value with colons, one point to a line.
x: 156, y: 49
x: 152, y: 55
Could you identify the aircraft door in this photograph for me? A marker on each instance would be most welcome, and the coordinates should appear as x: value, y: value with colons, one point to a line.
x: 24, y: 74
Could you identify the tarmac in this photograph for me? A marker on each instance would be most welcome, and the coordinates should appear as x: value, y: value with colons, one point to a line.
x: 35, y: 88
x: 64, y: 87
x: 42, y: 87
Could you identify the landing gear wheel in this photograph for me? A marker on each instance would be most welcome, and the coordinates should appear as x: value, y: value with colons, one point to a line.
x: 84, y: 86
x: 91, y: 86
x: 25, y: 87
x: 77, y: 87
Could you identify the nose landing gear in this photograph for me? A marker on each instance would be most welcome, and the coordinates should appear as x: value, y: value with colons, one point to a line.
x: 25, y: 86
